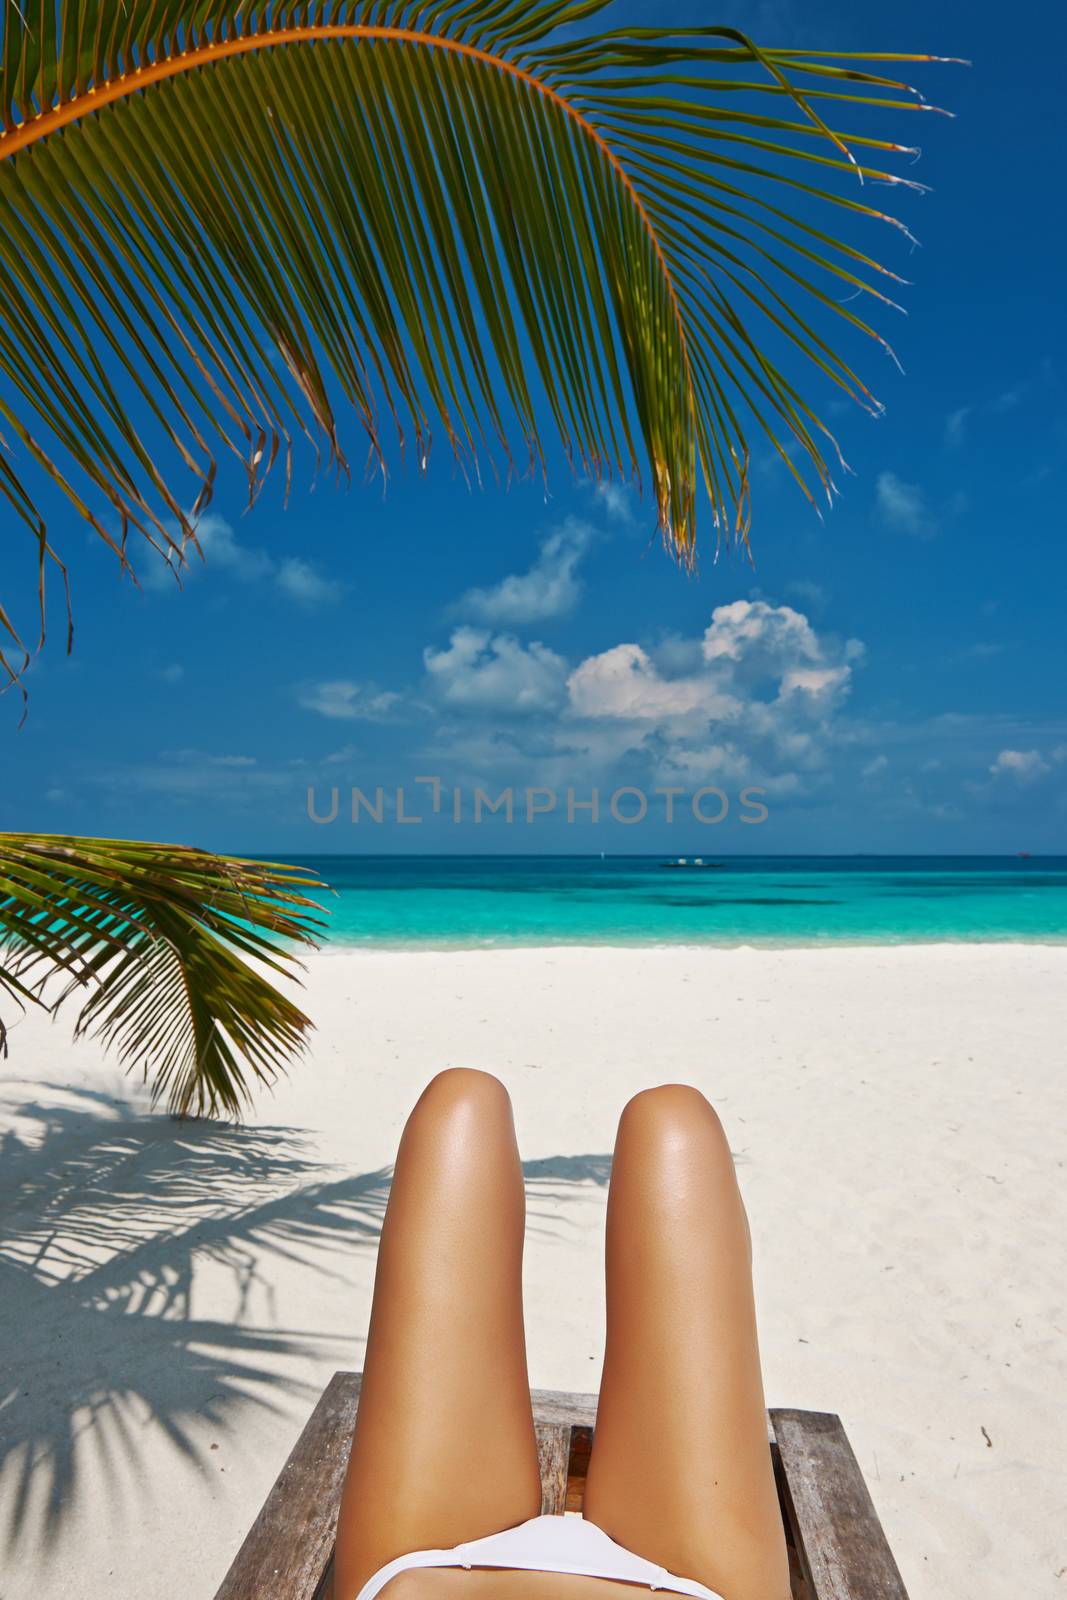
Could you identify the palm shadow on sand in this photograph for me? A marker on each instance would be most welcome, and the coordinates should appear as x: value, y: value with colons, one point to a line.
x: 106, y: 1215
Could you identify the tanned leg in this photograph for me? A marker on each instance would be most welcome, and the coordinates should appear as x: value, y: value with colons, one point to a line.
x: 680, y: 1471
x: 444, y: 1447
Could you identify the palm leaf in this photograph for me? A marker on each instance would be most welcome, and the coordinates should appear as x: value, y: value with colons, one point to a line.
x: 225, y: 226
x: 159, y: 938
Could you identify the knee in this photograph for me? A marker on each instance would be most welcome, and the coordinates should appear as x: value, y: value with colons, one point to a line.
x: 673, y: 1112
x: 465, y: 1090
x: 461, y: 1124
x: 671, y: 1141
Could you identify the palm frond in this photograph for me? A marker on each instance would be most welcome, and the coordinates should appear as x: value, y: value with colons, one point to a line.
x: 221, y: 222
x: 159, y: 937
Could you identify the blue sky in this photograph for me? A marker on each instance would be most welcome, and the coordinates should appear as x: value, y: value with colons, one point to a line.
x: 892, y: 676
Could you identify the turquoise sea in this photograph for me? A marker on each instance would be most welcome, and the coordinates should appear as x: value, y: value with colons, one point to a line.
x: 475, y: 901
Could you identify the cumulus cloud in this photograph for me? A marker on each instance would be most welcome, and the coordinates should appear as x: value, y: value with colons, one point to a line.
x: 904, y: 506
x: 481, y: 671
x: 347, y: 701
x: 756, y: 694
x: 550, y: 588
x: 624, y: 682
x: 1023, y: 765
x: 755, y: 697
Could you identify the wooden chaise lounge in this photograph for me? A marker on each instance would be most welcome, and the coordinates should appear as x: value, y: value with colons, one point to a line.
x: 836, y: 1545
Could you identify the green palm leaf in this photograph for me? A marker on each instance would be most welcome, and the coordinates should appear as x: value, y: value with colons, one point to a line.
x: 158, y: 938
x: 226, y: 226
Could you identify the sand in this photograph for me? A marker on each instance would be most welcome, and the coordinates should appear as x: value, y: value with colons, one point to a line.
x: 172, y: 1298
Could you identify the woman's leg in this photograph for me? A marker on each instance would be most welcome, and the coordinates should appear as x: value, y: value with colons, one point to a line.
x: 444, y: 1447
x: 680, y: 1470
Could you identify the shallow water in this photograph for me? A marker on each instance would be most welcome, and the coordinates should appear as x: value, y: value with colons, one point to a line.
x: 789, y: 900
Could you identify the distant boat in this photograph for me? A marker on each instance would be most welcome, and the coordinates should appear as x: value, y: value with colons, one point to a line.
x: 1024, y: 855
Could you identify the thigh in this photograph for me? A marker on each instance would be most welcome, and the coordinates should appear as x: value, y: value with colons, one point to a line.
x: 681, y: 1471
x: 444, y: 1447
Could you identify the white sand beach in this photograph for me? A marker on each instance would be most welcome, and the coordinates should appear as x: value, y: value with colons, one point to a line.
x: 174, y: 1297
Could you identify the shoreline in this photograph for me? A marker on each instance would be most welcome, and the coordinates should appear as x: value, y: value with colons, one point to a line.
x: 175, y: 1296
x: 343, y: 947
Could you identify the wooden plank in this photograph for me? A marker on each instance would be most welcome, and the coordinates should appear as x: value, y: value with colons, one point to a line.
x: 553, y: 1458
x: 837, y: 1548
x: 289, y: 1546
x: 553, y: 1405
x: 839, y: 1540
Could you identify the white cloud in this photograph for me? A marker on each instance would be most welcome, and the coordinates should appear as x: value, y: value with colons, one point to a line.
x: 982, y: 650
x: 616, y: 500
x: 185, y: 776
x: 1024, y: 765
x: 550, y: 588
x: 346, y: 701
x: 760, y: 635
x: 174, y: 673
x: 623, y: 682
x: 206, y: 759
x: 756, y: 694
x: 482, y: 671
x: 956, y: 425
x: 220, y: 547
x: 819, y: 682
x: 302, y: 582
x: 904, y: 506
x: 876, y: 767
x: 807, y: 589
x: 222, y: 551
x: 1008, y: 399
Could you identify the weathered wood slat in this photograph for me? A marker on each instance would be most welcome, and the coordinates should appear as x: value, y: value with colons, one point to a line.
x: 843, y: 1551
x: 837, y: 1548
x: 554, y: 1459
x: 290, y: 1543
x: 552, y: 1405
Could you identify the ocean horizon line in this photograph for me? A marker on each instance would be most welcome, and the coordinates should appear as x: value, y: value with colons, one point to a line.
x: 656, y: 855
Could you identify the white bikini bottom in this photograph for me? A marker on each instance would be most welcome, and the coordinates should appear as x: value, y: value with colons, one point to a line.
x: 546, y: 1544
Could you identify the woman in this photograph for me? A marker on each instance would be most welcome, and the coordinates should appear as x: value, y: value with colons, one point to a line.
x: 680, y: 1494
